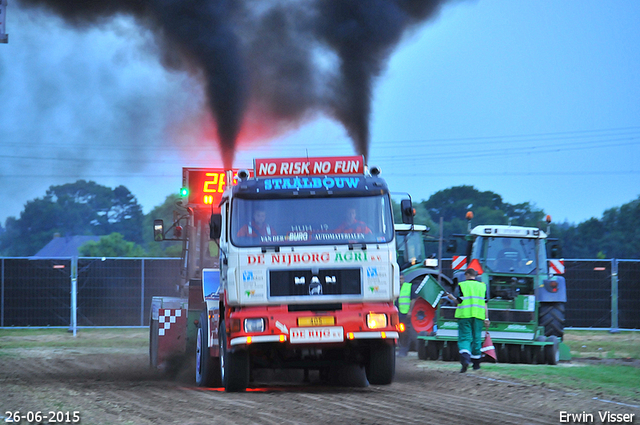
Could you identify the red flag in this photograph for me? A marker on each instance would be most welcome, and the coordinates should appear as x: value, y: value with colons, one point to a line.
x: 488, y: 350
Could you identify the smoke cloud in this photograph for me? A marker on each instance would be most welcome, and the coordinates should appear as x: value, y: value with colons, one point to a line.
x: 269, y: 62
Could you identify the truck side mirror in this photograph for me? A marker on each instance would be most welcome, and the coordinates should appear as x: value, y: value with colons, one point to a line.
x: 406, y: 209
x: 556, y: 252
x: 158, y: 230
x: 452, y: 245
x: 215, y: 226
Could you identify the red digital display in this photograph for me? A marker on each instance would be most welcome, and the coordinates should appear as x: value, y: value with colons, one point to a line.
x: 205, y: 186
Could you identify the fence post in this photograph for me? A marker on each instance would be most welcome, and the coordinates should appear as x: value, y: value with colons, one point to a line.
x: 2, y: 294
x: 74, y: 295
x: 142, y: 294
x: 614, y: 296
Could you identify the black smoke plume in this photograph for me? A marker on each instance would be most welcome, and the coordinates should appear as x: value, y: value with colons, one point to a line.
x: 287, y: 59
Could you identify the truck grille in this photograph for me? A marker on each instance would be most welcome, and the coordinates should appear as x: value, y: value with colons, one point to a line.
x: 323, y: 282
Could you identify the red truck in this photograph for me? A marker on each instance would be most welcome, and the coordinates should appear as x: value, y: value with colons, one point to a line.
x: 303, y: 273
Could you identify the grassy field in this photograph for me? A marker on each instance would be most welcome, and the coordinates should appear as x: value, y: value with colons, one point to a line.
x: 605, y: 365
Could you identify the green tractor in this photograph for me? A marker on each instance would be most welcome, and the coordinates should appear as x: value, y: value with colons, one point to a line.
x: 526, y: 300
x: 416, y: 267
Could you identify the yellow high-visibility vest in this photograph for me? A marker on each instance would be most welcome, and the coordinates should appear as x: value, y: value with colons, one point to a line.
x: 473, y: 300
x: 404, y: 302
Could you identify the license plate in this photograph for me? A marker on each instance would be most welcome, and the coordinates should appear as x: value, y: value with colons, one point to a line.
x: 324, y: 334
x: 317, y: 321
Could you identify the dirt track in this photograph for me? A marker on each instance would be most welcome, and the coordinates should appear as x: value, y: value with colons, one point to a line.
x: 110, y: 386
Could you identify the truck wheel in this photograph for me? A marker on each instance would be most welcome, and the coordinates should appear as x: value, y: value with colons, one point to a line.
x: 234, y: 366
x: 382, y: 364
x: 432, y: 350
x: 552, y: 351
x: 207, y: 367
x: 552, y: 318
x: 422, y: 349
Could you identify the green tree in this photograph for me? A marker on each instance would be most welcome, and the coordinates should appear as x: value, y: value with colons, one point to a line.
x: 165, y: 212
x: 113, y: 245
x: 80, y: 208
x: 488, y: 208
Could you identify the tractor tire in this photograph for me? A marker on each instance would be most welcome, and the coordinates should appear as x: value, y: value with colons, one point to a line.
x: 432, y: 350
x: 514, y: 353
x: 446, y: 352
x: 381, y: 367
x: 552, y: 351
x: 454, y: 351
x: 207, y: 367
x: 526, y: 356
x: 552, y: 318
x: 422, y: 349
x: 234, y: 366
x: 539, y: 351
x: 503, y: 354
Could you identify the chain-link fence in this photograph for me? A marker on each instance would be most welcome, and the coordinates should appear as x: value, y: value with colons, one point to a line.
x: 118, y: 291
x: 109, y: 291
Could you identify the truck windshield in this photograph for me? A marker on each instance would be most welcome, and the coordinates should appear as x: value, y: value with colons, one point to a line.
x: 311, y: 221
x: 410, y: 248
x: 511, y: 255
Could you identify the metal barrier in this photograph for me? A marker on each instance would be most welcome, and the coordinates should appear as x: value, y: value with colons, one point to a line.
x: 105, y: 291
x: 118, y: 291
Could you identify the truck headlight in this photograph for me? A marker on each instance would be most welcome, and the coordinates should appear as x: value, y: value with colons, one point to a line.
x: 254, y: 325
x: 376, y: 320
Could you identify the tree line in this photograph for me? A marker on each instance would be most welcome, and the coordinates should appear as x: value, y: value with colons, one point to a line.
x: 86, y: 208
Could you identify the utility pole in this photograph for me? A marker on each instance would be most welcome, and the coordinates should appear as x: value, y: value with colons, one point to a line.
x: 4, y: 37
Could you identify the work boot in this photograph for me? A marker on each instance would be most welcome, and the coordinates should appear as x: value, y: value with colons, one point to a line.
x: 465, y: 360
x: 476, y: 364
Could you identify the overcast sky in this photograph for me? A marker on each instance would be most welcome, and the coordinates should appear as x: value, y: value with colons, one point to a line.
x: 538, y: 101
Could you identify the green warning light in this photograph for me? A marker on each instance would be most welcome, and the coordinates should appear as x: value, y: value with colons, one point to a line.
x: 184, y: 192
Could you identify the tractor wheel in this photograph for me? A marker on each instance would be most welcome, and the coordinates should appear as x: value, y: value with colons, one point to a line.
x: 539, y: 351
x: 514, y: 353
x: 422, y: 349
x: 381, y: 366
x: 234, y: 366
x: 446, y: 352
x: 454, y: 351
x: 503, y: 354
x: 432, y: 350
x: 552, y: 351
x: 552, y: 318
x: 422, y: 315
x: 526, y: 356
x: 207, y: 367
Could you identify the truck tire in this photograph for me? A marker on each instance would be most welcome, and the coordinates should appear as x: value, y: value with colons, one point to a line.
x: 552, y: 318
x: 234, y: 366
x: 446, y: 352
x: 207, y: 367
x: 381, y: 366
x: 552, y: 351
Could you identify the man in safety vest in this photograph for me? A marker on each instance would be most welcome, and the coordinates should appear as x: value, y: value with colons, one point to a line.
x: 472, y: 314
x: 404, y: 307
